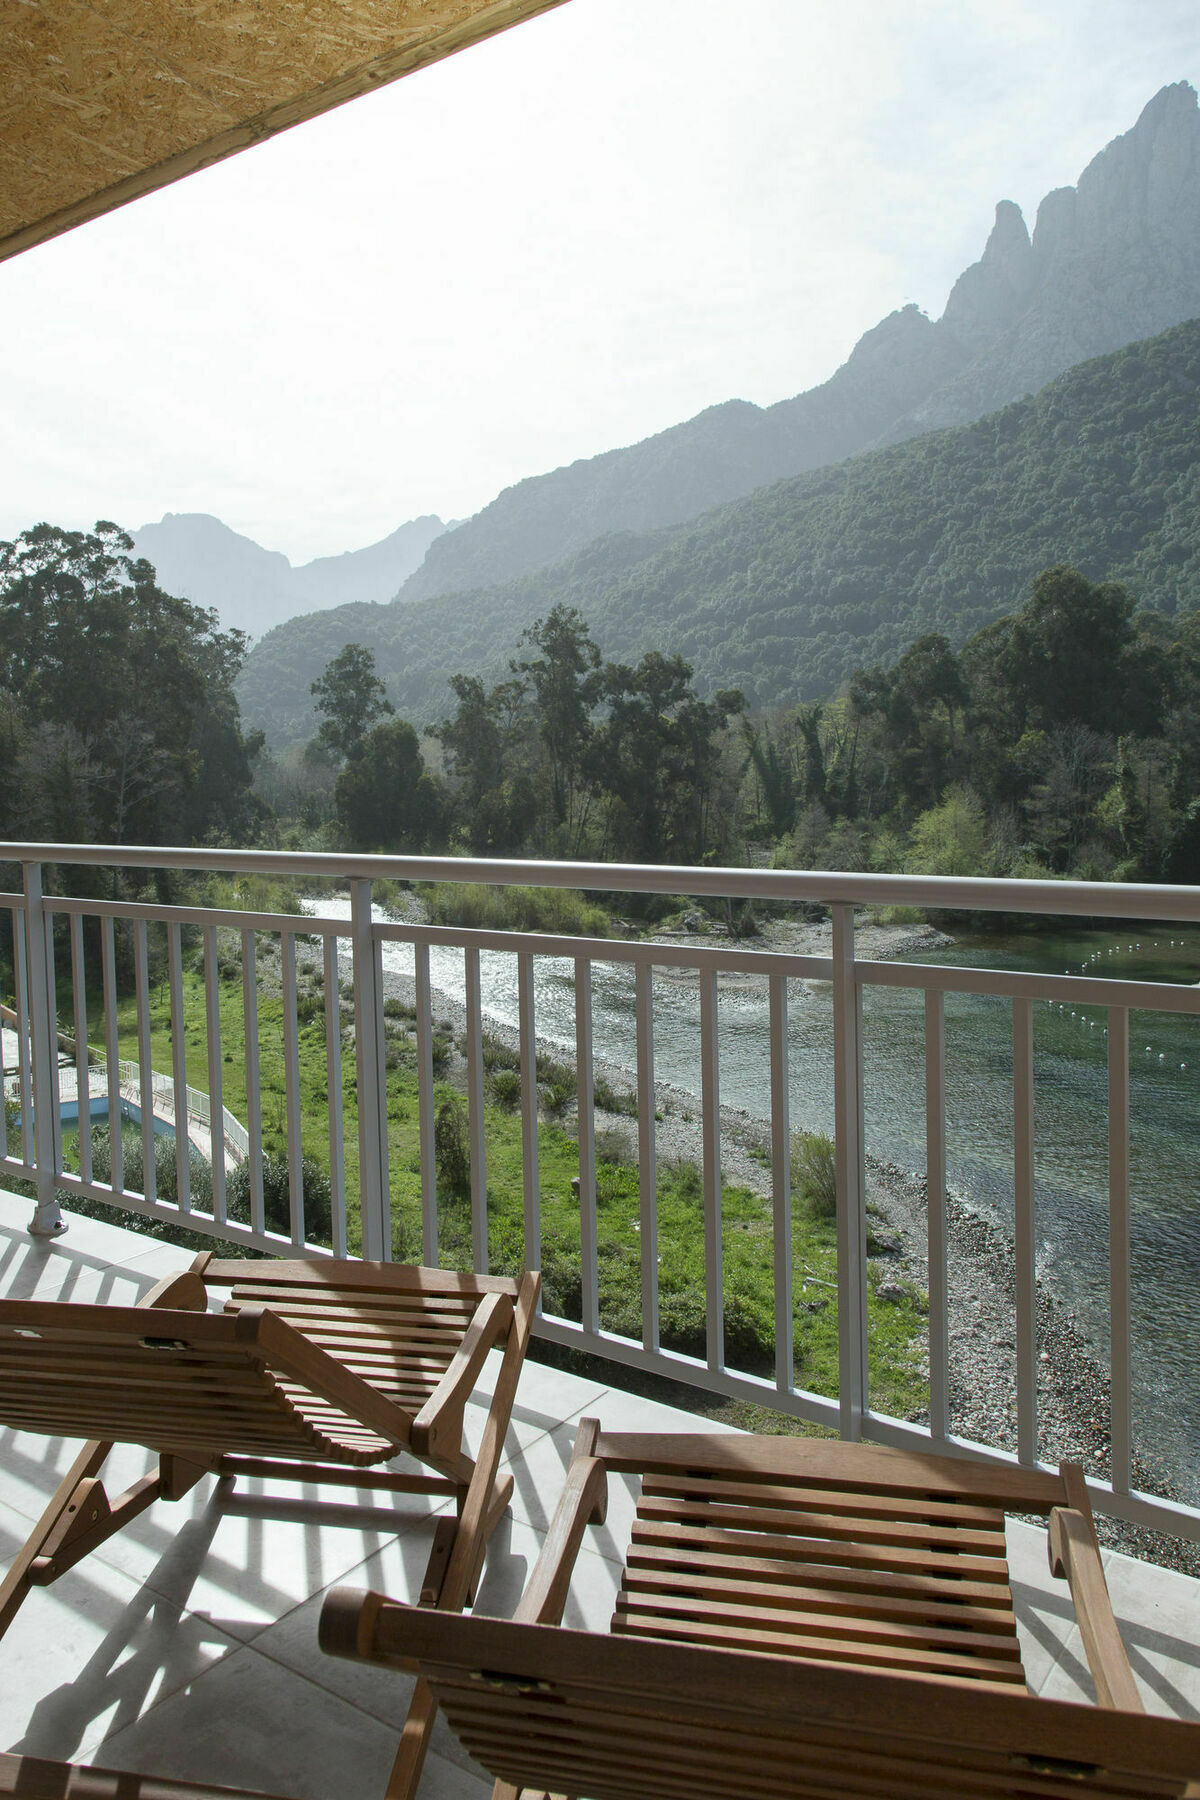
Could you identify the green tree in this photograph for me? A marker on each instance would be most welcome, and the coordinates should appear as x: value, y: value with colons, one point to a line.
x: 121, y: 721
x: 1073, y: 657
x: 658, y: 757
x: 567, y: 682
x: 385, y: 799
x: 350, y: 697
x: 951, y: 838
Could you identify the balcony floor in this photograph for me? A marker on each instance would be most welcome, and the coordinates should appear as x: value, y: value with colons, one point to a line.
x: 187, y: 1644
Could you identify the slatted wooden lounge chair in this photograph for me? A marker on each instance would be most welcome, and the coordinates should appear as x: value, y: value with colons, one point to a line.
x: 37, y: 1778
x: 796, y: 1619
x: 314, y: 1371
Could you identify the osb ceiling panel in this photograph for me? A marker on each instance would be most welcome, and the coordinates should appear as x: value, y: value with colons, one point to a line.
x: 103, y: 100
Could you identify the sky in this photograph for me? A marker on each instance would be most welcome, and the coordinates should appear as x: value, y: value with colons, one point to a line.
x: 557, y: 242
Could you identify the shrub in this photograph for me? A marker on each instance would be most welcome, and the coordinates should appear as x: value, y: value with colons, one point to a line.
x: 484, y: 908
x: 613, y: 1147
x: 277, y: 1196
x: 608, y: 1099
x: 814, y: 1173
x: 558, y: 1083
x: 562, y: 1279
x: 166, y: 1174
x: 451, y: 1147
x: 505, y: 1086
x: 497, y: 1054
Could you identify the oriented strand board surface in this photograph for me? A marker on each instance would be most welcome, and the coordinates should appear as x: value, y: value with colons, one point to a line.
x: 101, y: 100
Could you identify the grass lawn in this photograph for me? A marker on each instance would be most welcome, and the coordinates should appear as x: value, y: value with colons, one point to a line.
x: 897, y: 1326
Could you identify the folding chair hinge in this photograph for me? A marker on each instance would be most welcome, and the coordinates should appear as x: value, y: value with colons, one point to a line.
x: 87, y: 1508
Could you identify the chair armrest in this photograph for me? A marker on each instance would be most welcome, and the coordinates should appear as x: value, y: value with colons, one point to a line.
x: 491, y: 1322
x: 1075, y: 1554
x: 185, y: 1291
x: 583, y: 1501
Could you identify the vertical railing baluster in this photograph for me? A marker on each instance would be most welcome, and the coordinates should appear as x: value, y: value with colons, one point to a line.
x: 647, y: 1152
x: 5, y: 1071
x: 851, y: 1180
x: 781, y: 1184
x: 47, y: 1220
x: 372, y: 1094
x: 588, y: 1235
x: 425, y: 1106
x: 56, y: 1084
x: 527, y: 1044
x: 183, y: 1173
x: 216, y: 1077
x: 141, y: 968
x: 253, y: 1079
x: 291, y: 1086
x: 476, y: 1122
x: 83, y: 1083
x: 333, y: 1091
x: 24, y: 1041
x: 1119, y: 1248
x: 710, y: 1131
x: 112, y: 1051
x: 1023, y: 1232
x: 935, y: 1183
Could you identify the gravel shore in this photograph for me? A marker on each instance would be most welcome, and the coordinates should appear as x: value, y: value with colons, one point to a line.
x: 1073, y: 1387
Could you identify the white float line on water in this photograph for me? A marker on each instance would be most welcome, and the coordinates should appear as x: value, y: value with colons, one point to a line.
x: 1115, y: 950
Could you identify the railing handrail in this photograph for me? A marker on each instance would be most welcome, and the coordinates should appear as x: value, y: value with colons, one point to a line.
x: 948, y: 893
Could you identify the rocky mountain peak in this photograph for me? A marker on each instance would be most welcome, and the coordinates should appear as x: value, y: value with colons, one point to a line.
x: 989, y: 295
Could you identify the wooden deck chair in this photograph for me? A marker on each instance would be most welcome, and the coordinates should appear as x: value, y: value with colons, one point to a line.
x: 797, y: 1620
x: 314, y: 1371
x: 38, y: 1778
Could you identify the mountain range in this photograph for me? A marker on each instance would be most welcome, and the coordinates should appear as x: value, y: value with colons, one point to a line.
x: 1114, y: 259
x: 1111, y: 261
x: 201, y: 559
x: 786, y: 592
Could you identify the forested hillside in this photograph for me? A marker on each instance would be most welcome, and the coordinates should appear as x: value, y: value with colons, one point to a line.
x: 785, y: 593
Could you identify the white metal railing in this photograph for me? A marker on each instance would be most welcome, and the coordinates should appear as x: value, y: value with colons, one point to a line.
x: 58, y: 941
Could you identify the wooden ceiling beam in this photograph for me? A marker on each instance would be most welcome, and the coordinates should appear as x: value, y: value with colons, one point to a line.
x: 80, y: 131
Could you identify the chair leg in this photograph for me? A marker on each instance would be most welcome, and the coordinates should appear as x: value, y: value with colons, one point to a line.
x: 21, y: 1576
x: 414, y: 1742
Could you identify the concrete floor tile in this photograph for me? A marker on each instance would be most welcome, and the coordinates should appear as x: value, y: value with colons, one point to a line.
x: 244, y: 1559
x: 1050, y: 1648
x: 253, y: 1722
x: 241, y: 1558
x: 1158, y: 1612
x: 397, y: 1571
x: 89, y: 1654
x: 539, y: 1473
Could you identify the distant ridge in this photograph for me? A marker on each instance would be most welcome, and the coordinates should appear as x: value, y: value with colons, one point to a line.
x: 201, y: 559
x: 1112, y: 260
x: 787, y: 591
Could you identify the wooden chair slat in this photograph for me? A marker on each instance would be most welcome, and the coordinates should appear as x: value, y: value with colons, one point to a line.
x: 861, y: 1468
x: 858, y: 1529
x: 823, y: 1586
x: 764, y: 1544
x: 865, y: 1602
x: 670, y: 1564
x: 802, y: 1496
x: 827, y: 1648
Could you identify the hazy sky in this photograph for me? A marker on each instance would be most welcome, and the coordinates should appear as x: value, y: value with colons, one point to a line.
x: 565, y: 239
